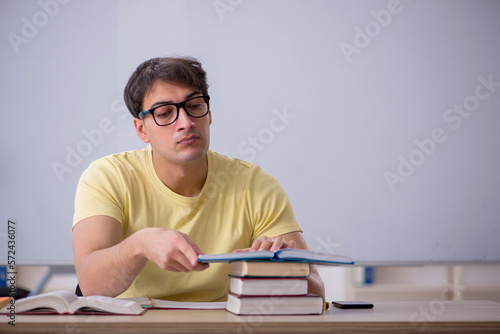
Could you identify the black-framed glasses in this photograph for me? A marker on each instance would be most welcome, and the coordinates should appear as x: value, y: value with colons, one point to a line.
x: 167, y: 113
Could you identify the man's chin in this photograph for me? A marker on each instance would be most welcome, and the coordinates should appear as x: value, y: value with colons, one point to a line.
x: 192, y: 154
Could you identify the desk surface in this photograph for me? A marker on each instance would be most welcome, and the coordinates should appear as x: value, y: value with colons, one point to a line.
x: 387, y: 317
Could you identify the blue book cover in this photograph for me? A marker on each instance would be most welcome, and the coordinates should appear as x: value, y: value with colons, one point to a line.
x: 287, y: 254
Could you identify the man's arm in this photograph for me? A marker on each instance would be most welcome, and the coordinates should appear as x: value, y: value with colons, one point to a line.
x: 290, y: 240
x: 316, y: 285
x: 106, y: 264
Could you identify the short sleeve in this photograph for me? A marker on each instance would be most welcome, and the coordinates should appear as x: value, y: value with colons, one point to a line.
x: 99, y: 192
x: 270, y: 208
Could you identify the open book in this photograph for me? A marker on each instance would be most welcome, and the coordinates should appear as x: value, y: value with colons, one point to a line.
x: 287, y: 254
x: 147, y: 302
x: 66, y: 302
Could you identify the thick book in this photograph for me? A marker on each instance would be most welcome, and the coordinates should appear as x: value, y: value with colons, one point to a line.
x: 66, y: 302
x: 287, y: 254
x: 270, y: 269
x: 282, y: 286
x: 152, y: 303
x: 272, y: 305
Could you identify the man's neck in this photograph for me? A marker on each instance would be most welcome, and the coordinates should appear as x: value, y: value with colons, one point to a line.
x: 183, y: 179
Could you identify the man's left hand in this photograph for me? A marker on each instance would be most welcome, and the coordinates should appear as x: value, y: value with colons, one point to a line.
x: 268, y: 243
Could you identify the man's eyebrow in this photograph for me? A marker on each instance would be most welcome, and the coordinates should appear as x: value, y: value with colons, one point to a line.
x: 157, y: 103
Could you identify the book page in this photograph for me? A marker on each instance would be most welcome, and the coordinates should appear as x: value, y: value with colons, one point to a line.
x: 170, y: 304
x: 57, y: 300
x: 286, y: 254
x: 228, y: 257
x: 107, y: 304
x: 294, y: 254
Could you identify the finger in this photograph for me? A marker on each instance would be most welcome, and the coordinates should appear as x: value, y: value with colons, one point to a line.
x: 242, y: 250
x: 180, y: 261
x: 180, y: 255
x: 266, y: 244
x: 192, y: 251
x: 193, y: 244
x: 278, y: 243
x: 193, y: 259
x: 184, y: 265
x: 187, y: 258
x: 172, y: 264
x: 174, y: 268
x: 292, y: 244
x: 256, y: 244
x: 201, y: 266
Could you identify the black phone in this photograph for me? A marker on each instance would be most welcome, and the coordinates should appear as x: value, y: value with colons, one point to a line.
x: 352, y: 304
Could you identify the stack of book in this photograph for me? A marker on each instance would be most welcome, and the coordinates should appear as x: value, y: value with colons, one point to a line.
x: 273, y: 283
x: 269, y: 288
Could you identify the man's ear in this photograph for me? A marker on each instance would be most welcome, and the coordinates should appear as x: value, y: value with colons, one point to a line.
x: 210, y: 117
x: 140, y: 128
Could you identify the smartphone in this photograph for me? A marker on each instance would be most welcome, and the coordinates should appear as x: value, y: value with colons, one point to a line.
x: 352, y: 304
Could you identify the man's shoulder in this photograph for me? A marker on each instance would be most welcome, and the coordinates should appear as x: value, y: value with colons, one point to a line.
x: 223, y: 160
x: 119, y: 161
x: 246, y: 171
x: 124, y: 156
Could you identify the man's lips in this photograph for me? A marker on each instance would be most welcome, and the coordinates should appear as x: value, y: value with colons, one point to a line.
x: 188, y: 139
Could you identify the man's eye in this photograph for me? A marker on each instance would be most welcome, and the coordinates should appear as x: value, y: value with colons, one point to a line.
x: 163, y: 112
x: 195, y: 106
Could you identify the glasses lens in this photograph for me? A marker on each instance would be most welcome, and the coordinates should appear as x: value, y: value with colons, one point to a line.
x: 197, y: 107
x: 165, y: 114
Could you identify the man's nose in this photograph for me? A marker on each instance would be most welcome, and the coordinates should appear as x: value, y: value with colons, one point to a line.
x: 184, y: 121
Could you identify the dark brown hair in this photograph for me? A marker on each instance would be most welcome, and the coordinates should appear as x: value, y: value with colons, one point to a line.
x: 185, y: 71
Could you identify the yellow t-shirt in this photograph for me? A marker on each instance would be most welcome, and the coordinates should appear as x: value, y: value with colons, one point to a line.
x: 239, y: 202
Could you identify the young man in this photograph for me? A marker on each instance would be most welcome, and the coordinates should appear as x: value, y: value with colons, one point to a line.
x: 142, y: 217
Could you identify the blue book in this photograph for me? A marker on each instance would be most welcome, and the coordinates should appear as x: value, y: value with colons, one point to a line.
x: 287, y: 254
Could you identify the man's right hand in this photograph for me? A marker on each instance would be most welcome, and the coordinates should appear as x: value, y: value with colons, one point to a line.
x: 106, y: 264
x: 171, y: 250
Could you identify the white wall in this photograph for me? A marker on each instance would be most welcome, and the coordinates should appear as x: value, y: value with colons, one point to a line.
x: 331, y: 97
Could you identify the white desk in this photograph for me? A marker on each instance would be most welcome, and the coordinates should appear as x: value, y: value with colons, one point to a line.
x: 387, y: 317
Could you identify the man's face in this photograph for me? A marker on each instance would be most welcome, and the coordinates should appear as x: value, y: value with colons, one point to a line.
x: 187, y: 139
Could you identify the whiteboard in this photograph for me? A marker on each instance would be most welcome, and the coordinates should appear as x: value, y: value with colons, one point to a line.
x: 379, y: 118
